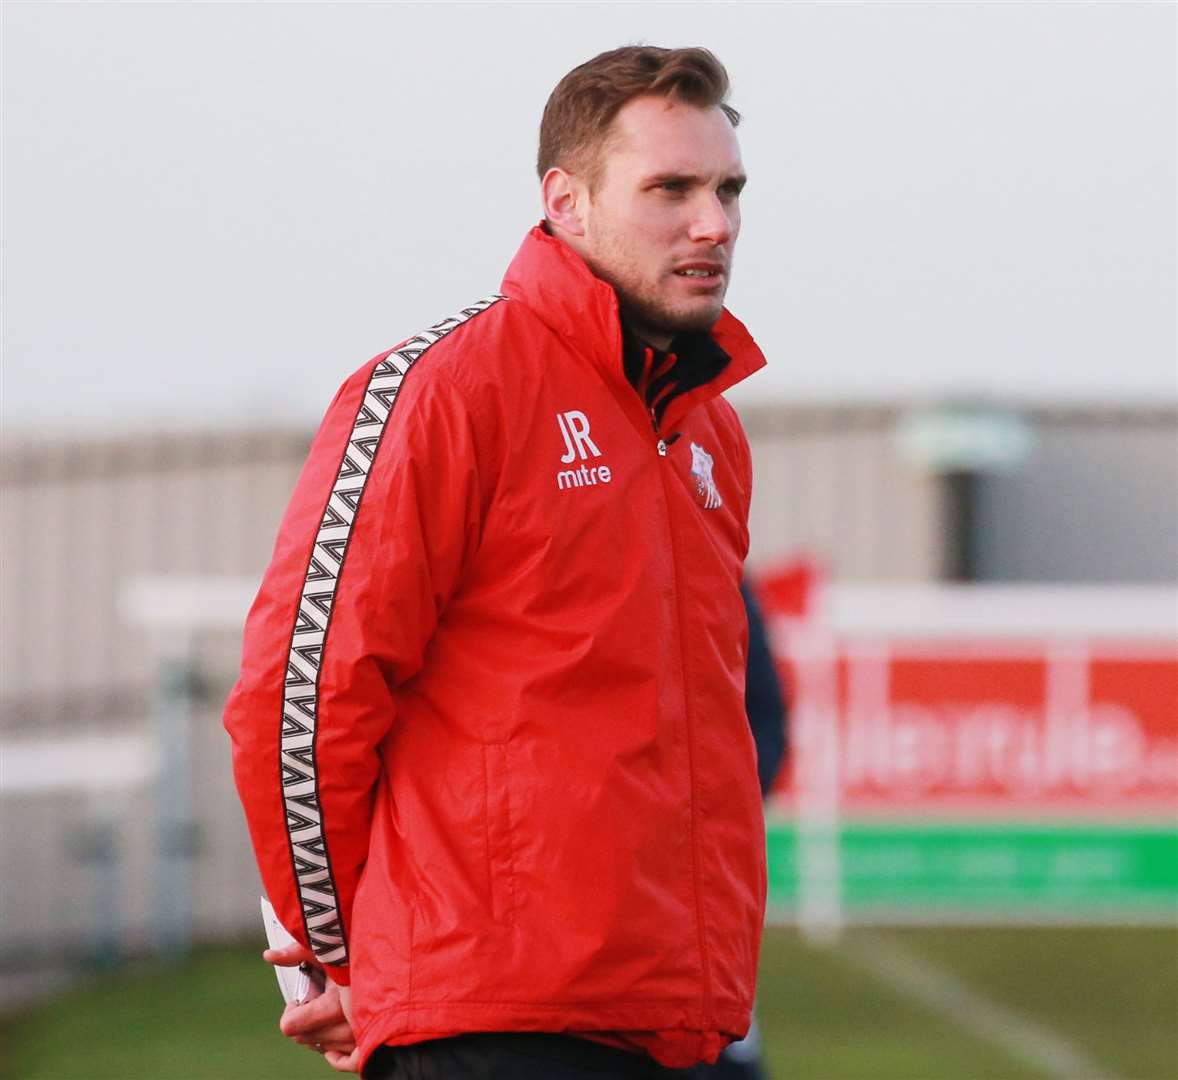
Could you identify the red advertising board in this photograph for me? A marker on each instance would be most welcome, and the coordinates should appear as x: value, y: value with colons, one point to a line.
x: 999, y: 721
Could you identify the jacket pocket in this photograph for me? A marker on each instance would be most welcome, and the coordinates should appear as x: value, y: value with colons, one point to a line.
x: 499, y: 832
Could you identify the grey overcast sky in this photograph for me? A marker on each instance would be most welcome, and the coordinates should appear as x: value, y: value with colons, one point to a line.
x: 213, y: 212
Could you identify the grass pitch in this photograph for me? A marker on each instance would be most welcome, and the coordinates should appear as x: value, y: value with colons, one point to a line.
x: 1037, y: 1003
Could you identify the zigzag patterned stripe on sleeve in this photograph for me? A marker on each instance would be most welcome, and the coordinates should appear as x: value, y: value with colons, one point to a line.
x: 310, y: 858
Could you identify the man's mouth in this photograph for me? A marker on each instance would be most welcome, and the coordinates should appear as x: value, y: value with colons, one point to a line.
x: 699, y: 271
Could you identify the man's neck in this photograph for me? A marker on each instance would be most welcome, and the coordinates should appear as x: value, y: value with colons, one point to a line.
x: 661, y: 341
x: 656, y: 339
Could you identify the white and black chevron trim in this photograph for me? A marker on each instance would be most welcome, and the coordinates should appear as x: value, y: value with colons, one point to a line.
x: 300, y: 703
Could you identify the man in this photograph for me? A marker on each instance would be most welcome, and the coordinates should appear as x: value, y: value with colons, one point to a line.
x: 489, y: 731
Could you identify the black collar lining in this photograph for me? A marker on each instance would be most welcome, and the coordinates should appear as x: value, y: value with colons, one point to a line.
x: 698, y: 360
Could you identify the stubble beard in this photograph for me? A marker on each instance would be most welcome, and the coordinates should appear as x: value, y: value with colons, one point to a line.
x: 645, y: 309
x: 652, y: 313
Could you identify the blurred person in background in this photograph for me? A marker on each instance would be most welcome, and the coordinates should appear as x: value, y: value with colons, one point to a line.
x: 489, y: 729
x: 764, y: 696
x: 765, y: 704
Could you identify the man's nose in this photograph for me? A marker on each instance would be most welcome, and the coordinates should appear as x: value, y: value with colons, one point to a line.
x: 711, y: 222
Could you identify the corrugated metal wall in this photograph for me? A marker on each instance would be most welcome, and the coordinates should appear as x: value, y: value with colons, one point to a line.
x: 830, y: 482
x: 1096, y: 502
x: 80, y: 519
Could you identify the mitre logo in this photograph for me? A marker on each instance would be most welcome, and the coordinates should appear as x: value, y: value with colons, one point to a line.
x: 701, y: 469
x: 579, y: 446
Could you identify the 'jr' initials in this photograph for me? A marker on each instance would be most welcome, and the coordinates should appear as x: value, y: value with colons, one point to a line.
x: 574, y: 426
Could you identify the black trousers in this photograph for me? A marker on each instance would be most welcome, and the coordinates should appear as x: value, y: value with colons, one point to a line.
x: 515, y: 1056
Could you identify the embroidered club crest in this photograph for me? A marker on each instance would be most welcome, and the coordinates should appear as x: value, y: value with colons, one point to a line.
x: 701, y: 469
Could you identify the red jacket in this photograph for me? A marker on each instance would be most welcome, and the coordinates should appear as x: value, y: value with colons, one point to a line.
x: 489, y: 730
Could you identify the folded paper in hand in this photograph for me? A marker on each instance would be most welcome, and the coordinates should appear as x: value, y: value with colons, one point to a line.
x: 294, y: 982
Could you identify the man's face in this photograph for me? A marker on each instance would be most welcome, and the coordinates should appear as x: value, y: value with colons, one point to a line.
x: 662, y: 220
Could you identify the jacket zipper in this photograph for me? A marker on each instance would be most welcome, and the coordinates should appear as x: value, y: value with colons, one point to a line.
x: 661, y: 444
x: 705, y: 961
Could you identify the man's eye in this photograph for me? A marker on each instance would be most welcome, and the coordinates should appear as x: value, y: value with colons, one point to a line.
x: 673, y: 185
x: 729, y: 191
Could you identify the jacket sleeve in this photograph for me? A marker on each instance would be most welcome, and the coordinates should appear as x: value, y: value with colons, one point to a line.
x: 385, y: 513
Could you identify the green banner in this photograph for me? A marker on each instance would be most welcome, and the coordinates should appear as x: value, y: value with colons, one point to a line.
x: 1066, y: 868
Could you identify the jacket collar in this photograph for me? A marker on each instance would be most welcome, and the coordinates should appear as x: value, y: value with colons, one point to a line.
x: 549, y: 278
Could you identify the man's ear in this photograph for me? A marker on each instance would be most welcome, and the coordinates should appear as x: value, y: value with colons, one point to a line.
x: 565, y: 201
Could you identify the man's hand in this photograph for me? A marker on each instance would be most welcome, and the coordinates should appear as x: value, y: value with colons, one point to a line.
x: 323, y: 1022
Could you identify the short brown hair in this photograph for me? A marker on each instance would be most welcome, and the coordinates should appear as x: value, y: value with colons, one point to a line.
x: 583, y: 105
